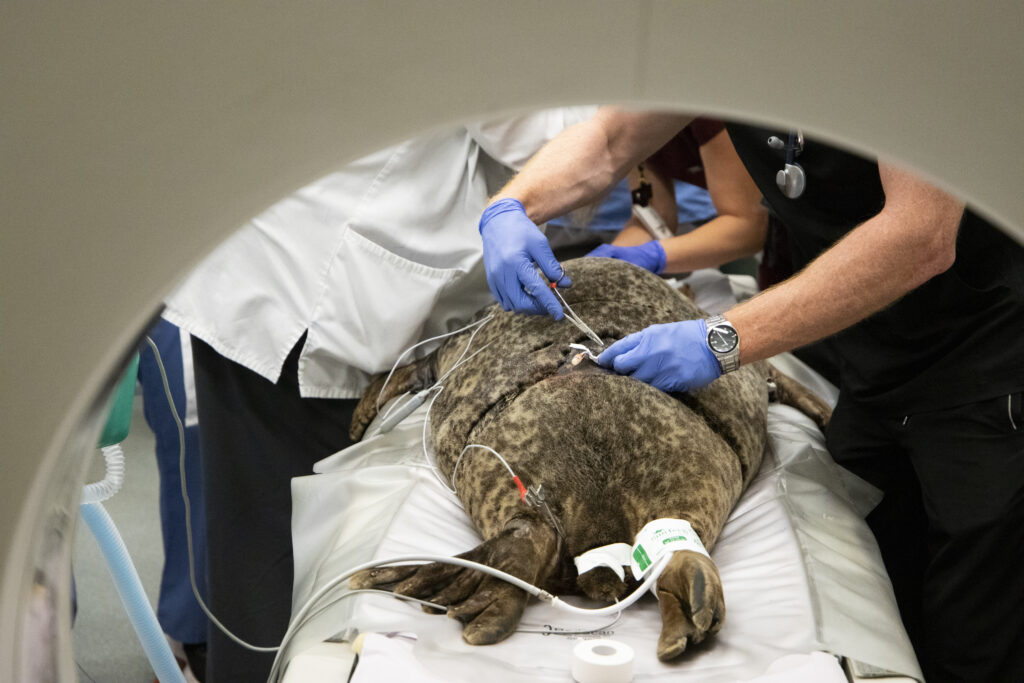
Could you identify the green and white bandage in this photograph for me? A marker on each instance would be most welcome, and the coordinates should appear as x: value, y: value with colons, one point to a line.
x: 660, y: 537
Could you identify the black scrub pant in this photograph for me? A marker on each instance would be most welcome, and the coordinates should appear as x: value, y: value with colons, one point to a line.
x: 255, y: 437
x: 950, y: 528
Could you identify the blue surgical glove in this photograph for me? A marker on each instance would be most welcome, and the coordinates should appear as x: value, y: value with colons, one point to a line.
x: 649, y: 255
x: 512, y: 245
x: 670, y: 357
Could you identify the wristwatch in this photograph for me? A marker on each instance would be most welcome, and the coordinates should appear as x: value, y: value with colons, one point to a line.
x: 724, y: 342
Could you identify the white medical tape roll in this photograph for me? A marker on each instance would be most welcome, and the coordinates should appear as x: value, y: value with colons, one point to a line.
x: 615, y: 556
x: 659, y: 537
x: 602, y: 661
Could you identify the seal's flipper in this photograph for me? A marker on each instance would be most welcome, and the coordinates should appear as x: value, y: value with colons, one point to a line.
x: 791, y: 393
x: 413, y: 377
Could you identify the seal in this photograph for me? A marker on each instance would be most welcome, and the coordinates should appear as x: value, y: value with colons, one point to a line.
x: 609, y: 452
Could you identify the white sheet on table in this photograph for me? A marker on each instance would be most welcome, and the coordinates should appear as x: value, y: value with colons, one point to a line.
x: 385, y: 658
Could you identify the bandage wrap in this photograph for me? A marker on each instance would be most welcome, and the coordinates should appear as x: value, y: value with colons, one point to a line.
x: 614, y: 556
x: 659, y: 537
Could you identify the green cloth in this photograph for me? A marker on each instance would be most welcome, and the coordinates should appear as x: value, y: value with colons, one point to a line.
x: 116, y: 429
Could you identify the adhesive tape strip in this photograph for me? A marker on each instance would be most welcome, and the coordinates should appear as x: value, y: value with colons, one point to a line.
x: 602, y: 661
x: 614, y: 556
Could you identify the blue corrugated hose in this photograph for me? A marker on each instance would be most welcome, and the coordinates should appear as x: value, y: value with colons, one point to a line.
x: 129, y: 587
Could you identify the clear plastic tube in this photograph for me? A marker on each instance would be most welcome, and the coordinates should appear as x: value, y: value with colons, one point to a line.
x: 100, y: 491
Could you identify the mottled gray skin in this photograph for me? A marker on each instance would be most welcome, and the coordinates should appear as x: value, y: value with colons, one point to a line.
x: 611, y: 453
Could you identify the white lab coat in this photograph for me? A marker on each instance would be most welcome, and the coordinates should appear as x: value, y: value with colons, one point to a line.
x: 369, y: 260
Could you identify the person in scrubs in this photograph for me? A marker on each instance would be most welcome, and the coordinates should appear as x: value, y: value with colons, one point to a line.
x: 739, y: 226
x: 700, y: 155
x: 926, y: 302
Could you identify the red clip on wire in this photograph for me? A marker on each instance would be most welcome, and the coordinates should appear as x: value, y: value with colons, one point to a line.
x: 519, y: 485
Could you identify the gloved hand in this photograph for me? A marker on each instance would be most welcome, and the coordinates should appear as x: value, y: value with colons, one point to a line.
x: 670, y: 357
x: 512, y: 245
x: 649, y: 255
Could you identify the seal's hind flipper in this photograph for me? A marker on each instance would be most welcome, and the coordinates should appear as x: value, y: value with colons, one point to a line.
x: 791, y: 393
x: 692, y: 603
x: 488, y: 607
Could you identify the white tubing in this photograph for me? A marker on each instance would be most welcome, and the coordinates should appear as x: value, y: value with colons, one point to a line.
x: 299, y: 617
x: 648, y: 582
x: 133, y: 597
x: 102, y: 490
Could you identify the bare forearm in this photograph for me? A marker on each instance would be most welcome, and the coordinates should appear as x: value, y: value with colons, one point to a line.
x: 718, y: 241
x: 742, y: 222
x: 910, y: 241
x: 585, y: 160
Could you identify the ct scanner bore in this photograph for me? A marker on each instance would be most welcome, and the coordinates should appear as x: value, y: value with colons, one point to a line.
x: 136, y: 136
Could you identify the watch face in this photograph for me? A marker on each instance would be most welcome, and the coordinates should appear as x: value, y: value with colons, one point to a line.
x: 722, y: 339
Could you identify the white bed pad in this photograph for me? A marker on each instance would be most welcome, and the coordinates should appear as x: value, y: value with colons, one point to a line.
x: 800, y: 569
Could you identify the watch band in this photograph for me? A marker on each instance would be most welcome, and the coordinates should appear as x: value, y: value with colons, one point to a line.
x: 730, y: 360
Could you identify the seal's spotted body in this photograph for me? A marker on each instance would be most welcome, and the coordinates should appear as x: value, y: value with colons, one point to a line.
x: 610, y: 452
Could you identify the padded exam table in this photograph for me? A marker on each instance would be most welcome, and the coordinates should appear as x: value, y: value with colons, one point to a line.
x: 806, y: 592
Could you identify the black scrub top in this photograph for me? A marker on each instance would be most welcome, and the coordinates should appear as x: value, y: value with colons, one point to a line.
x: 956, y: 339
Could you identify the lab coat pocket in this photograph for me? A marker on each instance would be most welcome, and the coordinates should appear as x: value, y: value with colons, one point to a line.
x: 373, y: 307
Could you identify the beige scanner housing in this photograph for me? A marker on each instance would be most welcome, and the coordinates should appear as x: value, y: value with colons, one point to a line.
x: 135, y: 136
